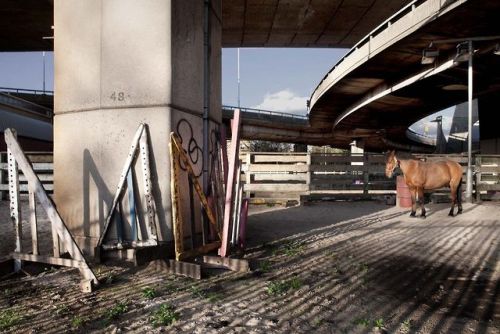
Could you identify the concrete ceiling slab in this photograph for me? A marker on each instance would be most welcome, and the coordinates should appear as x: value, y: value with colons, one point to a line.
x: 245, y: 23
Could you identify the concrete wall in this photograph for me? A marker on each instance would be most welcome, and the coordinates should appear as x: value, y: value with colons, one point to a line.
x: 119, y: 63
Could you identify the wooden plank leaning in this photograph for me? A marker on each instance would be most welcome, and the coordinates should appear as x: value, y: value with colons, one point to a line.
x: 231, y: 182
x: 176, y: 153
x: 46, y: 203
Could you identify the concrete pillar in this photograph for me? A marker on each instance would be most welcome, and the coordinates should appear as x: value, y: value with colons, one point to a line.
x: 119, y: 63
x: 489, y: 134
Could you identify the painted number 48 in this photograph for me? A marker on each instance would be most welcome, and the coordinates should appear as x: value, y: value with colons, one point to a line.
x: 117, y: 96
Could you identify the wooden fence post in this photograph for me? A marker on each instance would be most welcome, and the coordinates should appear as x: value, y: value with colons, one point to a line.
x: 248, y: 176
x: 366, y: 175
x: 478, y: 178
x: 308, y: 174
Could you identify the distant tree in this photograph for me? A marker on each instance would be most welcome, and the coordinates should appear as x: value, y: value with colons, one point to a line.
x: 327, y: 149
x: 269, y: 146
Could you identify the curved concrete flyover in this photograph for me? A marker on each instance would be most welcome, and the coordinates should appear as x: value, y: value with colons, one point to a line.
x: 381, y: 83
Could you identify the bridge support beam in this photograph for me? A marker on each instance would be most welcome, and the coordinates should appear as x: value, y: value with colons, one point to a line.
x: 119, y: 63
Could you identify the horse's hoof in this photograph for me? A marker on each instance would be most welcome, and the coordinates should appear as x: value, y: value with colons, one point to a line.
x: 459, y: 212
x: 423, y: 217
x: 451, y: 214
x: 413, y: 215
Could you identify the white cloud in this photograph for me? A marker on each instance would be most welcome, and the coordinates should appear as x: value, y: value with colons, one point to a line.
x: 284, y: 101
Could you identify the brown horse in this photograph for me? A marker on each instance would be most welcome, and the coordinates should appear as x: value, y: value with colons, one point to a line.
x: 420, y: 176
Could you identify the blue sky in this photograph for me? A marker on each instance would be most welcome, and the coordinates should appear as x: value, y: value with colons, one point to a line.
x: 275, y: 78
x: 25, y: 70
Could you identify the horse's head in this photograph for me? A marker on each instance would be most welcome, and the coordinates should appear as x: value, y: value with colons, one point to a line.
x: 390, y: 163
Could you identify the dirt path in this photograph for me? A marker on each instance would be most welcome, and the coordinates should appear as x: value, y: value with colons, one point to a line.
x: 344, y: 267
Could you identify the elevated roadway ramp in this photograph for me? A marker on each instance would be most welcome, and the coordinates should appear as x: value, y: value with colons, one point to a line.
x: 32, y: 122
x: 381, y: 85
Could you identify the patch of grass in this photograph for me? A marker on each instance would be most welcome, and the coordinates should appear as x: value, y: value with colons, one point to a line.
x: 116, y: 311
x: 164, y: 316
x: 317, y: 322
x: 362, y: 322
x: 295, y: 283
x: 281, y: 287
x: 8, y: 318
x: 289, y: 248
x: 149, y: 293
x: 378, y: 323
x: 265, y: 266
x: 277, y: 288
x: 196, y: 291
x: 77, y: 322
x: 213, y: 297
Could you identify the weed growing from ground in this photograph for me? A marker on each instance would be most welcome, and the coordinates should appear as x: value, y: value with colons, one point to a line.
x: 77, y: 322
x: 265, y: 266
x: 378, y: 323
x: 149, y: 293
x: 164, y: 316
x: 295, y: 283
x: 317, y: 322
x: 362, y: 321
x: 277, y: 288
x: 281, y: 287
x: 290, y: 248
x: 8, y: 318
x: 116, y: 311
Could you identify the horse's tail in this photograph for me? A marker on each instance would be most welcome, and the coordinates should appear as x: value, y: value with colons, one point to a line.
x: 459, y: 192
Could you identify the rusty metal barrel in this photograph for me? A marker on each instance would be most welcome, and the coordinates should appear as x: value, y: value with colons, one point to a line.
x: 403, y: 193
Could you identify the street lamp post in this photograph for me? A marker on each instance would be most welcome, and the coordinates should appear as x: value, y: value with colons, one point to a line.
x: 468, y: 191
x: 429, y: 55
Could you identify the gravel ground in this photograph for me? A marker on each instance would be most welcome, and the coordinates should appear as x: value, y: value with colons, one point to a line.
x: 329, y: 267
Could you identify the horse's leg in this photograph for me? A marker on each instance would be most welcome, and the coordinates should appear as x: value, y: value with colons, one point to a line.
x: 459, y: 197
x: 420, y: 194
x: 453, y: 193
x: 413, y: 192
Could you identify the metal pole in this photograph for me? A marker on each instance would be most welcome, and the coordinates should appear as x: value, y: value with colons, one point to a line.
x: 43, y: 56
x: 239, y: 77
x: 468, y: 193
x: 206, y: 109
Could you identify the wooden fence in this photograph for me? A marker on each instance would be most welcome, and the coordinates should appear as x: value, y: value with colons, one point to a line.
x: 302, y: 173
x: 487, y: 177
x: 293, y: 174
x: 42, y: 164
